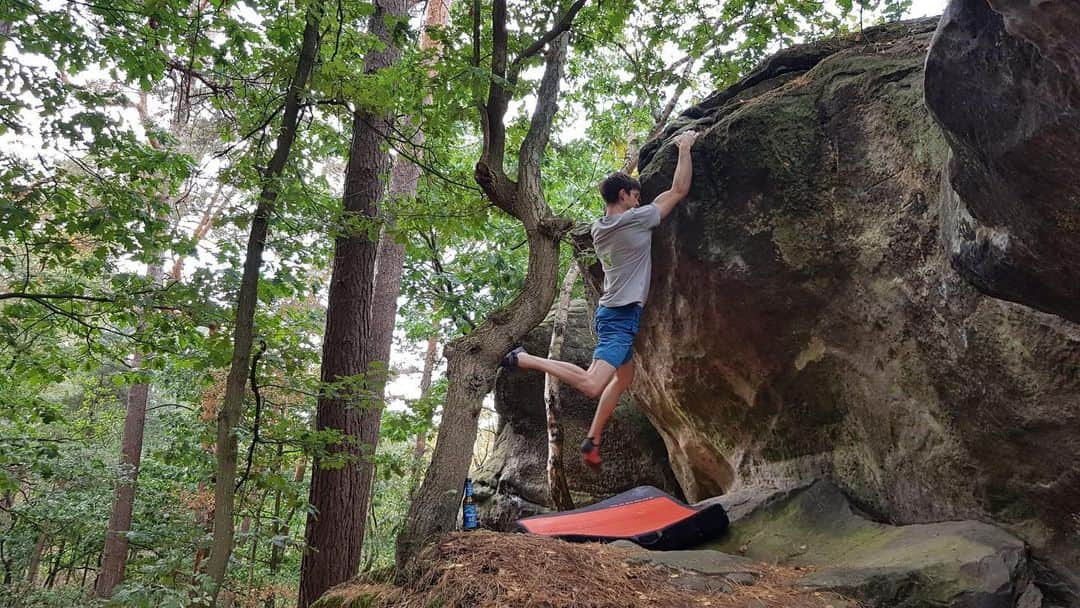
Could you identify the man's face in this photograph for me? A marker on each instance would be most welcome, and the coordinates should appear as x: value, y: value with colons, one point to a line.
x: 631, y: 198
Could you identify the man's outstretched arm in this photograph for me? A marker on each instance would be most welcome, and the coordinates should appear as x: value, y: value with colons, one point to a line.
x: 684, y: 171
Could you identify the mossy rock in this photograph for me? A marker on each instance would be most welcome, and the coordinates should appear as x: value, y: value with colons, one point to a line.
x: 959, y: 563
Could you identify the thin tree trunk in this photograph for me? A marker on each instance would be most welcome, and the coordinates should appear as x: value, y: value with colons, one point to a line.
x: 633, y: 152
x: 277, y: 526
x: 392, y: 255
x: 114, y: 555
x: 50, y: 579
x: 245, y: 527
x: 243, y: 332
x: 255, y: 540
x: 214, y: 207
x: 204, y: 518
x: 35, y: 559
x: 275, y: 512
x: 406, y: 175
x: 69, y: 570
x: 420, y: 447
x: 334, y: 534
x: 85, y: 569
x: 278, y: 552
x: 390, y: 260
x: 560, y: 492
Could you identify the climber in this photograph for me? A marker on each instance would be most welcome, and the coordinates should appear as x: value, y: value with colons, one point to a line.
x: 623, y: 241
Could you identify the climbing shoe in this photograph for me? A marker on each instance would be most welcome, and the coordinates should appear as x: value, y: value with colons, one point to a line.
x: 590, y: 453
x: 509, y: 360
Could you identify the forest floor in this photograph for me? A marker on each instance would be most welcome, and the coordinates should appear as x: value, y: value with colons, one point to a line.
x: 488, y: 569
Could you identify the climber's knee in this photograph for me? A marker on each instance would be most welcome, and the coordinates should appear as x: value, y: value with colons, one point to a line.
x: 599, y: 374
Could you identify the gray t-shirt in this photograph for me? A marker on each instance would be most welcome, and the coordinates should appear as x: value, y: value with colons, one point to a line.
x: 624, y: 245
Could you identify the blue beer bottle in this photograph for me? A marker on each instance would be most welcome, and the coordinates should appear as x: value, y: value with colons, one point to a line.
x: 468, y: 508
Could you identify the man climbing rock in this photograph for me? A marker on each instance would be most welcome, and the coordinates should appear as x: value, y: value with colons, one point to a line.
x: 623, y: 241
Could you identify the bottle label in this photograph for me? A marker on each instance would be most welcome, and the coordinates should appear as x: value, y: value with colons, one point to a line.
x: 468, y: 520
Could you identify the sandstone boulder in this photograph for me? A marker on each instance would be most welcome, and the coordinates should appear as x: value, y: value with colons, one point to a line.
x: 1005, y: 89
x: 957, y: 563
x: 806, y: 319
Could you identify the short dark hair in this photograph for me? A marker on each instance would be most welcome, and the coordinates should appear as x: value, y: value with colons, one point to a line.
x: 615, y: 183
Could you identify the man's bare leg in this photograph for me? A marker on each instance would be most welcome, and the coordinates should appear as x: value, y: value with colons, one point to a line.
x: 624, y: 377
x: 591, y: 382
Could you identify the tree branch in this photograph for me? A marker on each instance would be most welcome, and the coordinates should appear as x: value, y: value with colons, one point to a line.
x: 494, y: 111
x: 53, y: 296
x: 547, y: 98
x: 216, y: 87
x: 258, y: 411
x: 562, y: 25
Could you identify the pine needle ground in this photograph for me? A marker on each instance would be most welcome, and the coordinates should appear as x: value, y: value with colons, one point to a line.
x: 488, y: 569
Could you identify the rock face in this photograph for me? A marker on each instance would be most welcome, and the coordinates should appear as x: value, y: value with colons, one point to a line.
x: 956, y: 563
x: 1005, y: 89
x: 813, y: 527
x: 513, y: 482
x: 806, y: 320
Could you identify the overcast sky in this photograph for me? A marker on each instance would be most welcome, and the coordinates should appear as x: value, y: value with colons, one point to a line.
x: 925, y: 8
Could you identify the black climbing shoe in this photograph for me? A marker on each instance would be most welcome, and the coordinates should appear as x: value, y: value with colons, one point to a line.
x: 509, y: 360
x: 590, y: 453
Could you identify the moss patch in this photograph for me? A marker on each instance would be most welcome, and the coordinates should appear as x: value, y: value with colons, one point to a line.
x: 934, y: 563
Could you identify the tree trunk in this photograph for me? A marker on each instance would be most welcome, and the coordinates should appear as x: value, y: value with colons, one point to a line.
x: 472, y: 359
x: 245, y: 527
x: 69, y: 570
x: 204, y: 519
x: 560, y: 492
x: 85, y: 569
x: 243, y: 332
x: 339, y: 496
x: 437, y: 13
x: 255, y: 540
x: 35, y: 559
x: 390, y: 260
x: 114, y: 555
x: 471, y: 364
x: 50, y: 578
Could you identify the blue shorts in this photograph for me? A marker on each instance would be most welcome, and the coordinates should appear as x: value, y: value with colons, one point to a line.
x: 615, y: 331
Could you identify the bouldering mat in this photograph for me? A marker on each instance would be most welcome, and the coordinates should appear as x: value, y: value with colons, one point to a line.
x: 645, y: 515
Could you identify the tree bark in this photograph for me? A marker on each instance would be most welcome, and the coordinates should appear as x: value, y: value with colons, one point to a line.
x: 339, y: 496
x: 243, y: 332
x: 114, y: 556
x: 560, y: 492
x: 390, y: 261
x: 35, y: 559
x: 50, y: 578
x: 472, y: 359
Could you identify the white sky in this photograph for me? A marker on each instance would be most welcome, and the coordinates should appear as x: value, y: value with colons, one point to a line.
x: 926, y: 8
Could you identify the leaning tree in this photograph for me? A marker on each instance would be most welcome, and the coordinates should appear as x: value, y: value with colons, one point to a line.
x: 472, y: 359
